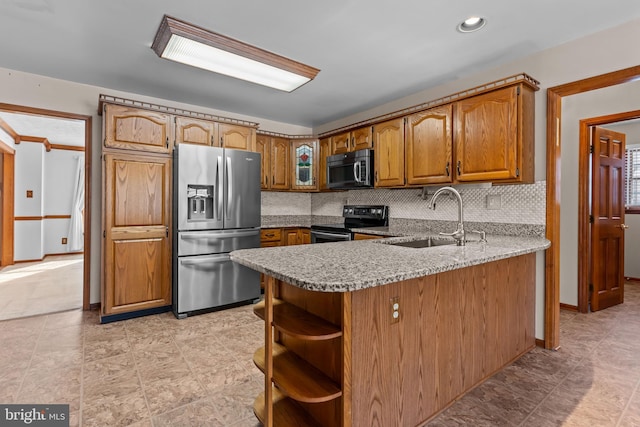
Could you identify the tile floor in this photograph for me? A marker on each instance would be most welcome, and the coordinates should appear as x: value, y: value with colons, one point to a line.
x: 158, y: 371
x: 48, y: 286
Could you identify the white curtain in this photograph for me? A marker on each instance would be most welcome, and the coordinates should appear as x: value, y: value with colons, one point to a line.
x: 76, y: 225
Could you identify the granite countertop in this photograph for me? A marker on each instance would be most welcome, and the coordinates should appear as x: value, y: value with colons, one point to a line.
x: 354, y: 265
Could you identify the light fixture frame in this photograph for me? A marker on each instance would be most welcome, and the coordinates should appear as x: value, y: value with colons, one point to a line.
x: 463, y: 28
x: 170, y: 26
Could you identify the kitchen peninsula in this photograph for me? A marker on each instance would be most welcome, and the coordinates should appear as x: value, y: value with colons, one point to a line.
x: 367, y: 333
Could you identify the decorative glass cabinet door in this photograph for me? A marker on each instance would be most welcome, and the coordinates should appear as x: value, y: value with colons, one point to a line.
x: 304, y: 165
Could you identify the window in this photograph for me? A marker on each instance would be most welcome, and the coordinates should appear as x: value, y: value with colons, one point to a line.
x: 632, y: 180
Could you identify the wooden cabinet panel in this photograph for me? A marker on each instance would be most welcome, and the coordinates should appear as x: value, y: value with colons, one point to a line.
x: 341, y: 143
x: 325, y: 150
x: 388, y: 141
x: 362, y: 236
x: 357, y: 139
x: 137, y: 257
x: 305, y: 236
x: 304, y: 165
x: 290, y: 236
x: 270, y: 235
x: 487, y: 144
x: 135, y: 129
x: 362, y: 138
x: 429, y: 147
x: 263, y: 146
x: 196, y: 131
x: 237, y: 137
x: 295, y: 236
x: 474, y: 321
x: 135, y: 263
x: 280, y: 155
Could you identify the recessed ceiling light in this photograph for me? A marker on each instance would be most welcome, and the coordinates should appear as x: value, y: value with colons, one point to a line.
x: 473, y: 23
x: 183, y: 42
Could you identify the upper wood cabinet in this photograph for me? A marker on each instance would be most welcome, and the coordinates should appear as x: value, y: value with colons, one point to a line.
x: 237, y: 137
x: 304, y: 165
x: 130, y: 128
x: 388, y: 152
x: 275, y: 153
x: 429, y: 147
x: 324, y: 149
x: 280, y: 155
x: 196, y: 131
x: 263, y: 146
x: 137, y: 242
x: 357, y: 139
x: 494, y: 136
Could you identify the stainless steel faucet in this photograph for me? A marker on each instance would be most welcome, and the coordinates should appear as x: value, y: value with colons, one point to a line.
x: 459, y: 234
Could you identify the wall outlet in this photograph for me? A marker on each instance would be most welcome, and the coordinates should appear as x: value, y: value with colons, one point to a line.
x: 494, y: 201
x: 64, y: 240
x: 29, y: 194
x: 395, y: 309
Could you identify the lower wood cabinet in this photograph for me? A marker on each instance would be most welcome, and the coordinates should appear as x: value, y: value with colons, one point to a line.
x: 342, y: 359
x: 296, y: 236
x: 362, y: 236
x: 137, y: 242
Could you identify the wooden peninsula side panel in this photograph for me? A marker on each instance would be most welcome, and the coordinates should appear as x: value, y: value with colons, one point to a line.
x: 454, y: 330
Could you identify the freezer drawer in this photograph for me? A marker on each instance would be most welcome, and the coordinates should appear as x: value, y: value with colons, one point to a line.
x: 216, y: 241
x: 209, y: 281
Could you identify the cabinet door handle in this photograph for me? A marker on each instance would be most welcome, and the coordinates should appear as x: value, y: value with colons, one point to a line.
x: 447, y: 168
x: 265, y: 181
x: 213, y: 141
x: 459, y: 173
x: 376, y: 176
x: 353, y: 142
x: 221, y: 142
x: 273, y: 180
x: 167, y: 142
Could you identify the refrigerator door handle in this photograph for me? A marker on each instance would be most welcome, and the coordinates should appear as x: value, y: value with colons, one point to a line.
x: 209, y: 260
x: 220, y: 194
x: 229, y: 178
x: 201, y: 235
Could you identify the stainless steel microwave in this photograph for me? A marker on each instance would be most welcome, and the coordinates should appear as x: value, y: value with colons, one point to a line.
x: 350, y: 170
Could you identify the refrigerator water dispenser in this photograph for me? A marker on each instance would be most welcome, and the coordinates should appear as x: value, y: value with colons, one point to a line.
x: 199, y: 202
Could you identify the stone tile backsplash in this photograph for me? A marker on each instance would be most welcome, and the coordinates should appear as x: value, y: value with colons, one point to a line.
x: 520, y: 204
x: 276, y: 203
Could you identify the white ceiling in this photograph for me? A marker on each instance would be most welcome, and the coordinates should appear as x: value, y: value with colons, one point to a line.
x: 57, y: 131
x: 369, y: 51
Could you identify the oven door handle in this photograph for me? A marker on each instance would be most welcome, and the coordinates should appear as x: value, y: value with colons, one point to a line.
x: 339, y: 236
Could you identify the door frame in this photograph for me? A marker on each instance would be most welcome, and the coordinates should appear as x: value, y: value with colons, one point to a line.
x: 7, y: 157
x: 584, y: 197
x: 554, y: 145
x: 86, y: 281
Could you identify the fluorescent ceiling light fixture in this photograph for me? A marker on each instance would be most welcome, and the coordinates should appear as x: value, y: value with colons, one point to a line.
x: 183, y: 42
x: 473, y: 23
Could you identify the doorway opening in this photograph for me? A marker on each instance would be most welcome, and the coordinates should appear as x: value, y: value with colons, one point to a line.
x: 74, y: 158
x: 554, y: 148
x: 585, y: 224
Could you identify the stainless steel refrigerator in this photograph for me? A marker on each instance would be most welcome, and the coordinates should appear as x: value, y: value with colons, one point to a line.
x: 216, y: 209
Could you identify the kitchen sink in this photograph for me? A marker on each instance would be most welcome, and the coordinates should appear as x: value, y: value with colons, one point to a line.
x: 425, y: 243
